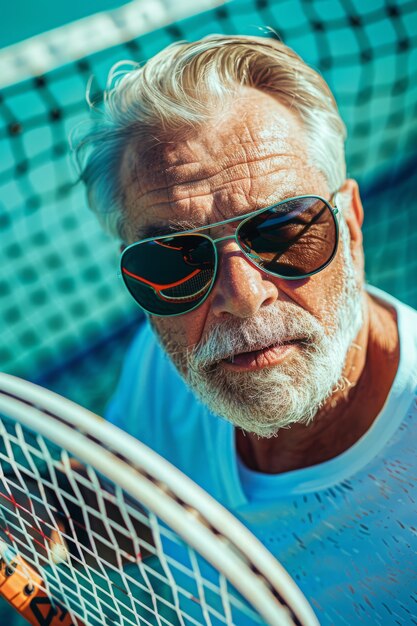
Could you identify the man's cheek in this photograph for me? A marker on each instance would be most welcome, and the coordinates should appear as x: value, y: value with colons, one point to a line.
x: 170, y: 336
x: 183, y: 331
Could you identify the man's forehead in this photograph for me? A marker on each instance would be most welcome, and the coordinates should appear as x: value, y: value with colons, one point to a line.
x: 204, y: 151
x: 239, y: 161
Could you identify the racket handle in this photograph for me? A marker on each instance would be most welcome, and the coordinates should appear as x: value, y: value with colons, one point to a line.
x: 24, y: 588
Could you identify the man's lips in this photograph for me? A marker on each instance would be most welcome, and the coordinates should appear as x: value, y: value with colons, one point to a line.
x: 262, y: 357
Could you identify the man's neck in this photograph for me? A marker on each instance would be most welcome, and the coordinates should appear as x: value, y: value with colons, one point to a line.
x: 369, y: 371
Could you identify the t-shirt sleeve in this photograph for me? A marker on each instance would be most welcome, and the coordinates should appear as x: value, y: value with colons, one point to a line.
x: 146, y: 389
x: 130, y: 402
x: 154, y: 404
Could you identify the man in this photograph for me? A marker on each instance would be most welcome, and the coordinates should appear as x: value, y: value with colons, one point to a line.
x: 293, y: 396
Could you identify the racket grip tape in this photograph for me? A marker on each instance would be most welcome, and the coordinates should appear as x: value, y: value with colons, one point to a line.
x: 24, y: 589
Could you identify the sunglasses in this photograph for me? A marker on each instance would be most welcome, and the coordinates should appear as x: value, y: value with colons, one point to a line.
x: 173, y: 274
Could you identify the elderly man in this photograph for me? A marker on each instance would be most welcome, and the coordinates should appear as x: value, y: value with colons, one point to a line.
x: 220, y: 165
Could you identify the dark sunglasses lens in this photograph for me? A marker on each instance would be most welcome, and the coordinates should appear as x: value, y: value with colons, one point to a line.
x: 171, y: 275
x: 295, y: 238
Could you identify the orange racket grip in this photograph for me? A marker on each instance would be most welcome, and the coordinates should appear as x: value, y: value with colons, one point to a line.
x: 23, y: 588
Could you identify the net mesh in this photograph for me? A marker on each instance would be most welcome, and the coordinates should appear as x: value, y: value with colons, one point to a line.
x: 63, y: 305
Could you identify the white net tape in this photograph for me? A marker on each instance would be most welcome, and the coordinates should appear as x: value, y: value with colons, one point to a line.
x: 45, y: 52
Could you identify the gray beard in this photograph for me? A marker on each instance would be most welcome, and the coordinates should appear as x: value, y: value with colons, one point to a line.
x: 266, y: 400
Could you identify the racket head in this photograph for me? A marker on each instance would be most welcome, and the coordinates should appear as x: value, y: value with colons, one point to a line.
x: 145, y: 543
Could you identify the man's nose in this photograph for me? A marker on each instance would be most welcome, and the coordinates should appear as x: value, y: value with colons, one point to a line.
x: 241, y: 289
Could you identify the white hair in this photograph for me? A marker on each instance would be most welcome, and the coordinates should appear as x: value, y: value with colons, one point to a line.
x: 181, y: 87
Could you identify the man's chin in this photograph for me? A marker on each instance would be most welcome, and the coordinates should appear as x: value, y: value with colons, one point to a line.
x: 261, y: 424
x: 261, y: 401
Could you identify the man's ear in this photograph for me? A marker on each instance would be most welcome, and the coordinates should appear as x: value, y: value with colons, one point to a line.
x: 352, y: 211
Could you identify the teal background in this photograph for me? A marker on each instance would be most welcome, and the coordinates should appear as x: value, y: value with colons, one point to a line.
x: 24, y: 18
x: 65, y: 318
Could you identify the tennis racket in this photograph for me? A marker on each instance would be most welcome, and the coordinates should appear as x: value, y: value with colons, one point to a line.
x: 96, y: 529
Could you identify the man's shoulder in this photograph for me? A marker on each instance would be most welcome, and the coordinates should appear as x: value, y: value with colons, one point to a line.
x: 151, y: 396
x: 406, y: 378
x: 146, y: 361
x: 154, y: 404
x: 406, y: 314
x: 389, y: 298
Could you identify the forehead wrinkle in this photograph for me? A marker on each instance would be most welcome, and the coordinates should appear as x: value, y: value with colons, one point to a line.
x: 207, y: 155
x: 177, y: 191
x: 158, y: 183
x: 256, y: 118
x: 176, y: 196
x: 252, y: 166
x: 237, y: 199
x: 164, y: 227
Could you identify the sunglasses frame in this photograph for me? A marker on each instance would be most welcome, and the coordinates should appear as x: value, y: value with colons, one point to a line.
x: 242, y: 219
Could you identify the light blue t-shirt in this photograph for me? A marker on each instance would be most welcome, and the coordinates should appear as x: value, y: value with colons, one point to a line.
x: 346, y: 529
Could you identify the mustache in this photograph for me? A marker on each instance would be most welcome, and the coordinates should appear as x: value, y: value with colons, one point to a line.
x: 271, y: 327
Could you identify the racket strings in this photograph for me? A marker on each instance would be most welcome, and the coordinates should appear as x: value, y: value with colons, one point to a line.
x: 36, y: 561
x: 80, y: 576
x: 152, y: 571
x: 227, y: 619
x: 237, y: 549
x: 137, y: 548
x: 11, y: 499
x: 40, y: 557
x: 76, y: 574
x: 191, y: 289
x: 169, y: 561
x: 72, y: 576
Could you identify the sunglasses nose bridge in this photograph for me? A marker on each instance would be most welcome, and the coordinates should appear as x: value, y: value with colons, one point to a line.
x: 234, y: 238
x: 215, y: 241
x: 251, y: 255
